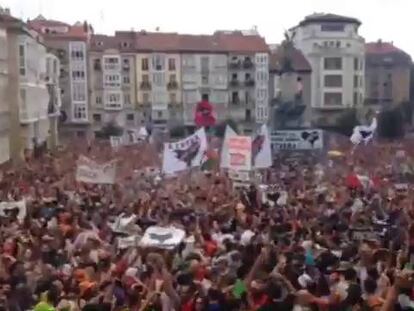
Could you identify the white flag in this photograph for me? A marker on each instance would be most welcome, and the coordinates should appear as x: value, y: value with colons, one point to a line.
x: 261, y: 150
x: 161, y: 237
x: 364, y: 133
x: 20, y: 206
x: 186, y: 153
x: 89, y: 171
x: 224, y: 159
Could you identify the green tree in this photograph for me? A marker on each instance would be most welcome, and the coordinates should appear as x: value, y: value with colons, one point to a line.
x: 391, y: 124
x: 110, y: 129
x: 346, y: 122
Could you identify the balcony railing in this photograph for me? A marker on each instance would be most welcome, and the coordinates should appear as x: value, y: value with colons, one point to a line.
x: 247, y: 64
x: 172, y: 85
x: 145, y: 85
x: 249, y: 83
x: 235, y: 64
x: 234, y: 82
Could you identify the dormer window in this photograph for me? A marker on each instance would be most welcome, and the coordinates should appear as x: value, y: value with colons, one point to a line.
x: 99, y: 43
x: 125, y: 44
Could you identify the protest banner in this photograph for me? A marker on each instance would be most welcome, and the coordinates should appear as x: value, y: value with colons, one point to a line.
x: 224, y: 160
x: 239, y: 155
x: 261, y: 149
x: 89, y: 171
x: 185, y: 154
x: 19, y: 206
x: 297, y: 140
x: 162, y: 237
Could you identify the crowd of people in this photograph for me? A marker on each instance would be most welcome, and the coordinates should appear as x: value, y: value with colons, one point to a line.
x: 307, y: 234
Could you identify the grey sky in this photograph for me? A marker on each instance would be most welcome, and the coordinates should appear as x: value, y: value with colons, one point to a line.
x: 391, y: 20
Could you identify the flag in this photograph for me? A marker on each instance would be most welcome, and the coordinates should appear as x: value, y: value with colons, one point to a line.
x: 364, y: 133
x: 261, y: 150
x: 358, y: 181
x: 19, y: 206
x: 224, y: 162
x: 239, y: 155
x: 186, y: 153
x: 161, y: 237
x: 88, y: 171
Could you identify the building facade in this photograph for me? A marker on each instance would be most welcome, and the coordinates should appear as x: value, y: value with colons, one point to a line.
x: 4, y: 100
x: 55, y: 102
x: 69, y: 44
x: 387, y: 75
x: 336, y: 52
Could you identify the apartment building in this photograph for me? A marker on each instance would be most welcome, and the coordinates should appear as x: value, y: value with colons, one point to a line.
x: 69, y: 44
x: 55, y: 102
x: 4, y: 98
x: 387, y: 75
x: 336, y: 52
x: 112, y: 85
x: 158, y: 77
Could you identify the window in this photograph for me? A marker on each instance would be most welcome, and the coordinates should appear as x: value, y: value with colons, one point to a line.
x: 261, y: 94
x: 261, y: 59
x: 333, y: 63
x: 112, y: 63
x: 113, y: 101
x: 77, y: 51
x: 78, y: 92
x: 173, y: 78
x: 248, y: 115
x: 98, y: 100
x: 158, y: 78
x: 78, y: 75
x: 333, y: 99
x: 145, y: 98
x: 333, y: 81
x: 130, y: 117
x: 22, y: 59
x: 262, y: 76
x: 113, y: 80
x: 145, y: 78
x: 144, y: 64
x: 234, y: 76
x: 204, y: 97
x: 356, y: 81
x: 79, y: 112
x: 204, y: 79
x: 247, y: 77
x: 127, y: 99
x: 356, y: 97
x: 126, y: 80
x: 333, y: 27
x: 173, y: 98
x: 171, y: 64
x: 159, y: 114
x: 205, y: 63
x: 158, y: 62
x: 356, y: 64
x: 235, y: 97
x: 97, y: 117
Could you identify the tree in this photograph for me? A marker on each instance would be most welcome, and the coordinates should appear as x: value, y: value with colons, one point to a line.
x: 110, y: 129
x: 346, y: 122
x: 221, y: 127
x: 391, y: 124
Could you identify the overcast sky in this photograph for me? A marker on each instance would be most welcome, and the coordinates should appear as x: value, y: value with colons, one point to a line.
x: 390, y: 20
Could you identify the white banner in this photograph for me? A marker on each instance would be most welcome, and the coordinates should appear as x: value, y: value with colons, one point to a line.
x: 224, y: 160
x: 20, y: 206
x: 161, y: 237
x: 239, y: 155
x: 261, y: 149
x: 239, y: 175
x: 364, y: 133
x: 89, y: 171
x: 311, y: 139
x: 186, y: 153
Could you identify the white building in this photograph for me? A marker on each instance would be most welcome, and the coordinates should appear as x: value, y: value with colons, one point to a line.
x: 34, y: 96
x: 335, y: 51
x: 55, y: 101
x: 4, y: 101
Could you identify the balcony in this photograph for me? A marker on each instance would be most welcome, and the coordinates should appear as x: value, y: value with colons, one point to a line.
x: 234, y: 82
x: 236, y: 101
x: 172, y: 85
x: 125, y: 67
x: 249, y: 83
x: 235, y: 64
x: 247, y: 63
x: 97, y: 65
x: 145, y: 85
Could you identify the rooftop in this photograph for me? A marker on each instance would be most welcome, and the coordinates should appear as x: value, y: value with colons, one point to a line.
x: 221, y: 42
x: 318, y: 18
x: 386, y: 52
